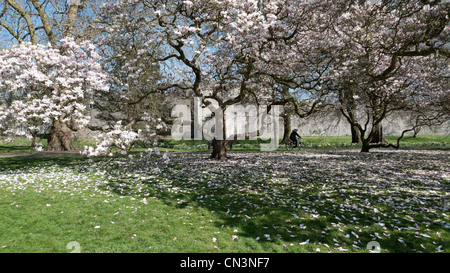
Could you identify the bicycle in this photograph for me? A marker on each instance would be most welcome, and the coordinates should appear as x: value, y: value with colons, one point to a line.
x: 290, y: 145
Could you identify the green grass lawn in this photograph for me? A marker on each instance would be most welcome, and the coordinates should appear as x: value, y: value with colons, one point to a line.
x: 48, y: 213
x: 310, y: 142
x: 22, y: 146
x: 305, y: 201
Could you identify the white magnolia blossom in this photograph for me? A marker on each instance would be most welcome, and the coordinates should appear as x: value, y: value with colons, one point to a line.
x: 46, y: 84
x: 125, y: 138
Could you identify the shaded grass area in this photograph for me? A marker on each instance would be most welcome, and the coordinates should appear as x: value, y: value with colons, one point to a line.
x: 21, y: 146
x: 276, y: 202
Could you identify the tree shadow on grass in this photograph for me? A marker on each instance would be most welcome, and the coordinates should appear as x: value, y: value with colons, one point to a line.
x: 15, y: 149
x: 21, y: 163
x: 341, y: 199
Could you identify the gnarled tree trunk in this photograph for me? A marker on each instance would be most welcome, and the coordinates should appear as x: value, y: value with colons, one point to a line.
x: 378, y: 136
x: 33, y: 139
x: 219, y: 149
x: 365, y: 146
x: 60, y: 138
x: 219, y: 146
x: 287, y: 128
x: 355, y: 134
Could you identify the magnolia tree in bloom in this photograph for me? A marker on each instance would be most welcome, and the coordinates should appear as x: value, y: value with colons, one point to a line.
x: 225, y: 52
x: 368, y: 58
x: 48, y: 90
x: 133, y: 107
x: 391, y: 57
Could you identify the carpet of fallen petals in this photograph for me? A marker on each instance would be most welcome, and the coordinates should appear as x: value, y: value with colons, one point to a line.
x: 338, y: 199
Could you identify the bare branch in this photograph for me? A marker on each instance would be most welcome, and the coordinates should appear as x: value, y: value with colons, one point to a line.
x: 26, y: 15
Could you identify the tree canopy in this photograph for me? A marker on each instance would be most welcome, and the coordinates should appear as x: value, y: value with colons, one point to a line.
x: 368, y: 59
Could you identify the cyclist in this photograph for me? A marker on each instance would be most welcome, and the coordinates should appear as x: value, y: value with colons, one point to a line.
x: 294, y: 136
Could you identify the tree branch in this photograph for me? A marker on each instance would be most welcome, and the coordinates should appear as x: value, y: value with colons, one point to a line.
x: 44, y: 19
x: 27, y: 17
x: 11, y: 31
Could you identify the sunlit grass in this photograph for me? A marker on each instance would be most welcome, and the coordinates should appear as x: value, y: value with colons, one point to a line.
x: 22, y: 145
